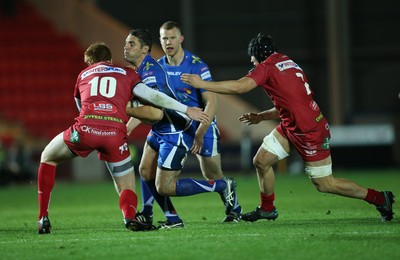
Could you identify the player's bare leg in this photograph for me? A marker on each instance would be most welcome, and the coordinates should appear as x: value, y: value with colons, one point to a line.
x: 211, y: 167
x: 383, y: 200
x: 263, y: 162
x: 211, y: 170
x: 55, y: 152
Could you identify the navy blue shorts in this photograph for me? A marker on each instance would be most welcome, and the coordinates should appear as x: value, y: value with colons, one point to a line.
x: 172, y: 148
x: 211, y: 142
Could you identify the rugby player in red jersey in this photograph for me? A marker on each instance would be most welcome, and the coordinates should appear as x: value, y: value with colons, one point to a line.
x: 102, y: 92
x: 302, y: 125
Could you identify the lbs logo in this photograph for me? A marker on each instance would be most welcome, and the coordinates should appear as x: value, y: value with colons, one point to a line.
x: 102, y: 107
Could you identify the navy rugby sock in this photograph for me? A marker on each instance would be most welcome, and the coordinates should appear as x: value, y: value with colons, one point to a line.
x: 147, y: 199
x: 189, y: 186
x: 164, y: 202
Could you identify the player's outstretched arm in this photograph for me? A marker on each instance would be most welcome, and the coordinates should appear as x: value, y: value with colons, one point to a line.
x: 250, y: 118
x: 197, y: 114
x: 148, y: 114
x: 239, y: 86
x: 162, y: 100
x: 255, y: 118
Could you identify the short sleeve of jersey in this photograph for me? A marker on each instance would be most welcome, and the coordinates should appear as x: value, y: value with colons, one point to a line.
x: 259, y: 74
x: 200, y: 68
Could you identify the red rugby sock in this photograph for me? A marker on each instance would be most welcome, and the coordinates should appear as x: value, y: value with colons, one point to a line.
x: 374, y: 197
x: 267, y: 202
x: 46, y: 179
x: 128, y: 203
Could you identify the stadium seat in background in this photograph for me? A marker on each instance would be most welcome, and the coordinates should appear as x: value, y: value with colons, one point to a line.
x: 37, y: 73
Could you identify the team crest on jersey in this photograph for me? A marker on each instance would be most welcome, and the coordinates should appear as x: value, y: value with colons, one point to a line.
x: 287, y: 64
x: 196, y: 59
x: 148, y: 65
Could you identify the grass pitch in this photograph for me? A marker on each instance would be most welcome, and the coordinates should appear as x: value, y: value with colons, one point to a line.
x: 87, y: 224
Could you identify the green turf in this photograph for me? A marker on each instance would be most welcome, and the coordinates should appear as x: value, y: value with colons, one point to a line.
x: 87, y: 224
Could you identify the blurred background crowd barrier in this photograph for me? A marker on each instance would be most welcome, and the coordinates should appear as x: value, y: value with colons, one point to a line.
x: 350, y: 51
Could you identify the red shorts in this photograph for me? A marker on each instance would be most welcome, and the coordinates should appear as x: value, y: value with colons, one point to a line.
x: 312, y: 146
x: 111, y: 143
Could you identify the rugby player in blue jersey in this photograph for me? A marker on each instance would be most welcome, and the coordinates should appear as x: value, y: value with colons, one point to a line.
x: 168, y: 143
x: 206, y: 146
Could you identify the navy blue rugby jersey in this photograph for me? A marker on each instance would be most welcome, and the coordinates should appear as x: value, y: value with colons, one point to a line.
x: 154, y: 76
x: 191, y: 64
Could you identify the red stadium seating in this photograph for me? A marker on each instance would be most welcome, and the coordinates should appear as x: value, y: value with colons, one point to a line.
x: 38, y: 70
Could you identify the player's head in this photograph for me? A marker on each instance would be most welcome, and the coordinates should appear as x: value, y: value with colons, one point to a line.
x: 169, y: 25
x: 261, y: 47
x: 144, y: 37
x: 97, y: 52
x: 171, y: 38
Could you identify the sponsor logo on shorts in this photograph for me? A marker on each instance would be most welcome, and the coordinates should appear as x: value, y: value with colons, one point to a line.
x: 74, y: 138
x: 310, y: 150
x: 123, y: 148
x: 326, y: 143
x: 94, y: 131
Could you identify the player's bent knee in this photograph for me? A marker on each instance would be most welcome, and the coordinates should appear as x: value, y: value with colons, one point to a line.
x: 260, y: 163
x: 272, y: 145
x: 163, y: 190
x: 144, y: 173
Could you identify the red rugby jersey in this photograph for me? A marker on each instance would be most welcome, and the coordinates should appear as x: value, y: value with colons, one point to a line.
x: 286, y: 84
x: 104, y: 90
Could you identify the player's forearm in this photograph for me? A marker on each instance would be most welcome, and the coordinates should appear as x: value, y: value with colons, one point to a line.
x: 223, y: 87
x: 211, y: 103
x: 145, y: 113
x: 132, y: 124
x: 269, y: 114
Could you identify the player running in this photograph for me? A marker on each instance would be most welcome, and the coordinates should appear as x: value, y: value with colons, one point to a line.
x: 302, y: 125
